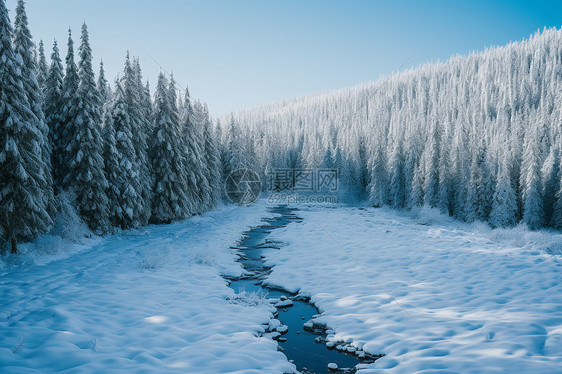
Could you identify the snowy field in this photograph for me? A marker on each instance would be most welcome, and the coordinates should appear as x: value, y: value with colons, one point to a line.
x: 432, y: 294
x: 148, y: 301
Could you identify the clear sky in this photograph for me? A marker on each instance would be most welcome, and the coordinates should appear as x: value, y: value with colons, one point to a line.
x: 242, y: 53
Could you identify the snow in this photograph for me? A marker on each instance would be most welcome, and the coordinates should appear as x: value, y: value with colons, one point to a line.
x: 428, y: 292
x: 150, y: 300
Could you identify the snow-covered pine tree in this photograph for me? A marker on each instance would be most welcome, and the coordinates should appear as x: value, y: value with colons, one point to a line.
x: 104, y: 90
x: 192, y: 119
x: 25, y: 48
x: 53, y: 108
x: 396, y: 191
x: 128, y: 182
x: 68, y: 115
x: 84, y: 144
x: 531, y: 187
x: 378, y: 186
x: 42, y: 67
x: 165, y: 157
x: 431, y: 166
x: 138, y: 109
x: 212, y: 160
x: 504, y: 201
x: 112, y: 170
x: 23, y: 212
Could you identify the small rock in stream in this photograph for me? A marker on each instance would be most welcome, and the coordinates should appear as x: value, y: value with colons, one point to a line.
x: 332, y: 366
x: 284, y: 303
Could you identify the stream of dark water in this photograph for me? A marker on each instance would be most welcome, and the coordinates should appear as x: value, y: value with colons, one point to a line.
x: 302, y: 340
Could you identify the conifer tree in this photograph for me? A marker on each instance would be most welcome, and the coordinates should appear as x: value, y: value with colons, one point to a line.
x: 504, y: 202
x: 128, y: 181
x: 53, y: 108
x: 24, y: 47
x: 42, y: 67
x: 198, y: 189
x: 212, y: 160
x: 23, y: 172
x: 112, y: 171
x: 168, y: 195
x: 84, y: 144
x: 531, y: 189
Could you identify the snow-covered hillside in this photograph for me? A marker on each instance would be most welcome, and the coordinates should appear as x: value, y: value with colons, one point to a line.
x: 477, y: 136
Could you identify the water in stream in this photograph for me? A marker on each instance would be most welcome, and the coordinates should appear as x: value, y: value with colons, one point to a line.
x: 304, y: 345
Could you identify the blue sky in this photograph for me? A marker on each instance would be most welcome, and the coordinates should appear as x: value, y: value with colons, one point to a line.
x: 242, y: 53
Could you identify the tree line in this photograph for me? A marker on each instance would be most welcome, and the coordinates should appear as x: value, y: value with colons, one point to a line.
x: 478, y: 136
x: 126, y: 159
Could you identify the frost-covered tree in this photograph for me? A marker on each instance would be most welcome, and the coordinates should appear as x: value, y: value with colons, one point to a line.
x: 112, y: 171
x: 169, y: 198
x: 531, y: 189
x: 42, y: 67
x: 192, y: 119
x: 127, y: 182
x: 24, y: 48
x: 84, y: 144
x: 212, y: 161
x: 23, y: 171
x: 53, y: 109
x: 138, y: 110
x: 504, y: 201
x: 104, y: 90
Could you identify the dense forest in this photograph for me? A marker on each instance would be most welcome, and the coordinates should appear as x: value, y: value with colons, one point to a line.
x: 120, y: 158
x: 478, y: 137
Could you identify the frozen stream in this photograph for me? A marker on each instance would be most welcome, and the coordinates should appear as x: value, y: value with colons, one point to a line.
x: 302, y: 341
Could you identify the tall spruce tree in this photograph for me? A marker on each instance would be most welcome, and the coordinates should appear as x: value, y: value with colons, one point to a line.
x: 504, y: 201
x: 24, y: 47
x: 23, y: 172
x: 42, y: 67
x: 53, y: 108
x: 212, y: 160
x: 168, y: 194
x: 133, y: 92
x: 197, y: 184
x: 128, y: 182
x: 84, y: 145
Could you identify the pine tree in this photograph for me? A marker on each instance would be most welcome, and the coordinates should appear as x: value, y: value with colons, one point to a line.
x: 112, y: 171
x: 533, y: 210
x: 128, y: 182
x: 378, y: 185
x: 53, y: 108
x: 138, y: 109
x: 192, y: 119
x: 25, y: 48
x: 68, y: 115
x: 212, y: 160
x: 23, y: 172
x: 84, y: 144
x: 504, y: 202
x: 42, y: 67
x: 103, y: 88
x: 168, y: 195
x: 396, y: 196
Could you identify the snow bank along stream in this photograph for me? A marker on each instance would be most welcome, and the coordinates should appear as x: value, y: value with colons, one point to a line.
x: 300, y: 336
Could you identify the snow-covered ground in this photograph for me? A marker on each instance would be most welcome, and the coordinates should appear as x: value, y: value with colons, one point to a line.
x: 432, y: 294
x: 149, y: 301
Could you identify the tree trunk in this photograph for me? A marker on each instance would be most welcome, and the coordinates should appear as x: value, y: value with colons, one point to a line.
x: 14, y: 245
